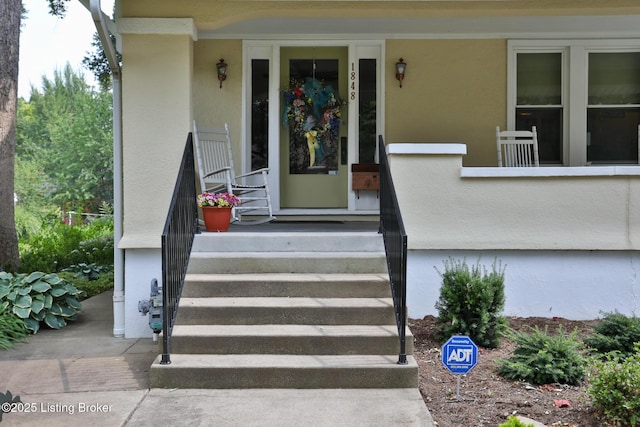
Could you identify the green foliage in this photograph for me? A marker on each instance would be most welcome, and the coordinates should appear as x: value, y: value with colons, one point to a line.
x: 91, y: 288
x: 51, y: 249
x: 12, y: 328
x: 40, y: 297
x: 58, y: 246
x: 541, y: 358
x: 616, y: 333
x: 97, y: 62
x: 64, y: 141
x: 615, y: 388
x: 88, y: 271
x: 27, y: 223
x: 470, y: 303
x: 514, y: 422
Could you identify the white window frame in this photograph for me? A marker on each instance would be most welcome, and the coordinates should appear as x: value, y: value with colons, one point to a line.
x: 575, y: 55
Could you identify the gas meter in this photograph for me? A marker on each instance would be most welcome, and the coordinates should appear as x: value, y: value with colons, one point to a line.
x: 153, y: 307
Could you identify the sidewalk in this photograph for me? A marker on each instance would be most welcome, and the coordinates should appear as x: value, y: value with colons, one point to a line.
x: 81, y: 373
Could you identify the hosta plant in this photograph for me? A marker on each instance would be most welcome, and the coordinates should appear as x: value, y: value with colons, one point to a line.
x: 40, y: 297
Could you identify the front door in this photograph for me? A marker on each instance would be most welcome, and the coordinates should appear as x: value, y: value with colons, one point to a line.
x: 313, y: 142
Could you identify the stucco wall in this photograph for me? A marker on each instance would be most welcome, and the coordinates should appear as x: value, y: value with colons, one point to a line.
x: 214, y: 106
x: 571, y: 284
x: 156, y: 120
x: 445, y: 207
x: 454, y: 91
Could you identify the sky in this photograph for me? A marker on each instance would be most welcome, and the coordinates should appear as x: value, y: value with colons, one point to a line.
x: 47, y: 43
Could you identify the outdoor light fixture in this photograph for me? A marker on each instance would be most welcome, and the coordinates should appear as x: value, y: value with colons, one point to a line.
x: 222, y: 71
x: 400, y: 67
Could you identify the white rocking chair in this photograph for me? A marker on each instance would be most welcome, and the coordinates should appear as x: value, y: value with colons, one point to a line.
x: 217, y: 174
x: 517, y: 148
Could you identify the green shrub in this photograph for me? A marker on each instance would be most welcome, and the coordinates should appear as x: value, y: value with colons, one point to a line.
x: 540, y: 358
x: 57, y: 246
x: 27, y: 222
x: 51, y: 249
x: 514, y: 422
x: 616, y: 333
x: 615, y: 388
x: 470, y: 303
x: 96, y: 250
x: 40, y: 297
x: 12, y: 328
x: 90, y: 288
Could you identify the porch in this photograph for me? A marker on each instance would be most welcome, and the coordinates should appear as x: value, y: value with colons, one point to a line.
x: 568, y: 235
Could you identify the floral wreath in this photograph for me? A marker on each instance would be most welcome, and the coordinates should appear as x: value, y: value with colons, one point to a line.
x: 306, y: 104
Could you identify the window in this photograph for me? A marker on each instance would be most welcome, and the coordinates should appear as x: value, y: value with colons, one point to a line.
x: 582, y: 95
x: 613, y: 112
x: 368, y: 111
x: 259, y: 114
x: 539, y: 101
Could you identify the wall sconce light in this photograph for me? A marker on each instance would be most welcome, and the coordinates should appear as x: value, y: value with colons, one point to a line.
x: 222, y: 71
x: 400, y: 67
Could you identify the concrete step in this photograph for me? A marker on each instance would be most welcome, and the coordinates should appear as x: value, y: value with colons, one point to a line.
x: 287, y: 285
x: 282, y: 310
x: 289, y: 242
x: 287, y: 262
x: 284, y: 371
x: 288, y: 339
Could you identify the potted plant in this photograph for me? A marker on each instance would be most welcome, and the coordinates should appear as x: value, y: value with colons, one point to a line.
x: 216, y: 209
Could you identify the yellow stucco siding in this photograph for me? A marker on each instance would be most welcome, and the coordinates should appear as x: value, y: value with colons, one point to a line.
x: 214, y: 106
x: 156, y: 120
x: 454, y: 91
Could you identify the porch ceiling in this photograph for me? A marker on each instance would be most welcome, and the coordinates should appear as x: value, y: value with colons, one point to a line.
x: 480, y: 27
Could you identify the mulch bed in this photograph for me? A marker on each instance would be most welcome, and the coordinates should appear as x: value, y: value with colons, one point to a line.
x: 487, y: 399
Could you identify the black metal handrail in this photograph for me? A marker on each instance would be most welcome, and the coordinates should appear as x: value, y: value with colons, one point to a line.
x: 177, y: 239
x: 395, y: 245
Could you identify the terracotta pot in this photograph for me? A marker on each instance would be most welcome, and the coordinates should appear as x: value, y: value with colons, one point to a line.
x: 216, y: 218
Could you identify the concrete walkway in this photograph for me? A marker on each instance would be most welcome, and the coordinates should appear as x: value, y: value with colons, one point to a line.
x: 82, y: 374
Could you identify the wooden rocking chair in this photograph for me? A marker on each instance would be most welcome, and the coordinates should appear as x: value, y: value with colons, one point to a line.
x: 217, y: 174
x: 517, y: 148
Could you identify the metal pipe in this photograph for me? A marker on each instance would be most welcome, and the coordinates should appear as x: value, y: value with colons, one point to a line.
x: 105, y: 27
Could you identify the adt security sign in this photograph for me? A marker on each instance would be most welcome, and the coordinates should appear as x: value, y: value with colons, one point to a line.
x: 459, y: 354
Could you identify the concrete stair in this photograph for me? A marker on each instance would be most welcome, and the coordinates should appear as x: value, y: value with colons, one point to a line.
x: 286, y: 310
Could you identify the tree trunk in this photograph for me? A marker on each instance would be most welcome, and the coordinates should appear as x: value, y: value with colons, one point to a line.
x: 10, y: 14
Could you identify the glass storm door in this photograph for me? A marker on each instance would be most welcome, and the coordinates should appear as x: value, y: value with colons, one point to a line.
x: 313, y: 142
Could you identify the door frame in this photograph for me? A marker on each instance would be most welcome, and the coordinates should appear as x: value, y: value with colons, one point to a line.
x: 270, y: 50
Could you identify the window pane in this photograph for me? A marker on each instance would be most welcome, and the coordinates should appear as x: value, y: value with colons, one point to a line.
x: 367, y: 107
x: 539, y: 79
x: 612, y: 135
x: 614, y: 78
x: 259, y: 113
x: 548, y: 123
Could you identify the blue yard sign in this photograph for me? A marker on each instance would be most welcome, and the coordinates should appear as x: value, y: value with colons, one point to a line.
x: 459, y: 355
